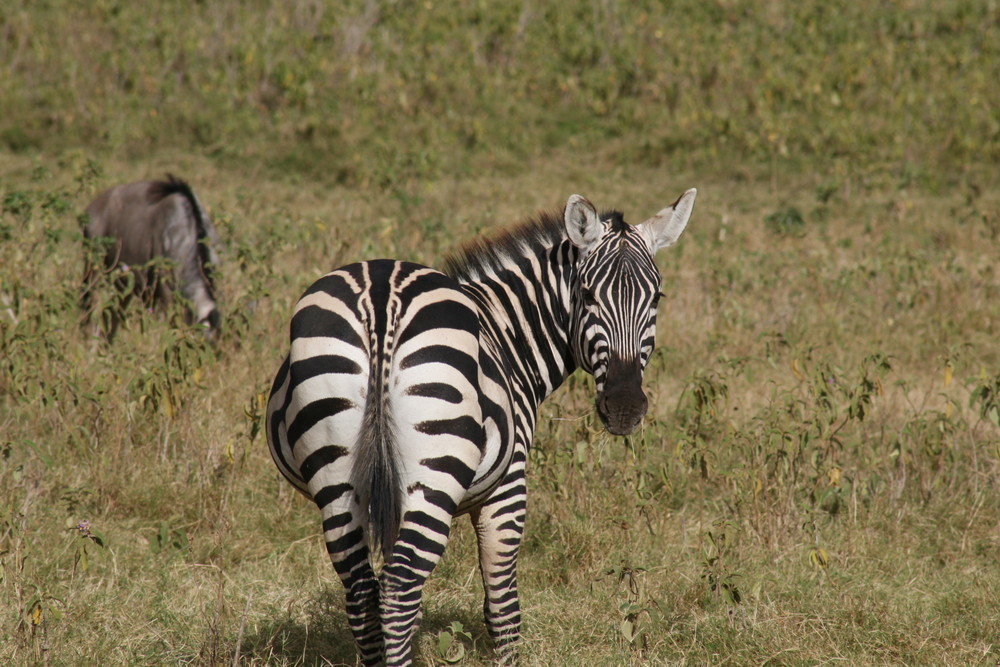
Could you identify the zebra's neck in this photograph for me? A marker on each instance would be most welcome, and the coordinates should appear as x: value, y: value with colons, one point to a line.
x: 524, y: 311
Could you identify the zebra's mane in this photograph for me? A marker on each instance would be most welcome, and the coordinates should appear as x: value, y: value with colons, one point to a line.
x: 491, y: 254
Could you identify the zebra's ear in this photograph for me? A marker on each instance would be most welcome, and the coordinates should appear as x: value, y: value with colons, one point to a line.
x: 582, y: 222
x: 664, y: 228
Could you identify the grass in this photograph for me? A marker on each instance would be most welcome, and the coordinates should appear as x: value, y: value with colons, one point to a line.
x: 817, y: 478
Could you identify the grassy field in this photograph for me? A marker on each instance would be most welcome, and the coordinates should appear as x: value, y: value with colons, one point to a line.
x: 818, y: 478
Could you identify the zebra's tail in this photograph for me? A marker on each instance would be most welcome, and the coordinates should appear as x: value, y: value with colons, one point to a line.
x: 375, y: 475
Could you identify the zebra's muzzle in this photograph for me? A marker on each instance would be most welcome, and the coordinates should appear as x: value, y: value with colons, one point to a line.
x: 622, y: 404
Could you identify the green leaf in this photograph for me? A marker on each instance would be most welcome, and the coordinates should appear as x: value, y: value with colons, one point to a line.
x: 458, y: 654
x: 628, y: 630
x: 81, y: 557
x: 445, y: 640
x: 458, y: 630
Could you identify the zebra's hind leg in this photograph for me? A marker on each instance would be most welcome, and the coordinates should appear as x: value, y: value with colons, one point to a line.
x: 423, y: 536
x: 347, y: 546
x: 362, y: 589
x: 499, y: 524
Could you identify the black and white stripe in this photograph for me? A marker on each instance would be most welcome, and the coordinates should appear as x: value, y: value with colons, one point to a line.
x: 409, y: 396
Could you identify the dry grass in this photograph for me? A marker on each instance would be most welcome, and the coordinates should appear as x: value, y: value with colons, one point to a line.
x: 208, y: 556
x: 817, y: 480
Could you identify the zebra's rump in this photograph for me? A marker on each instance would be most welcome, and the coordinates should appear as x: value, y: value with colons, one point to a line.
x: 379, y: 394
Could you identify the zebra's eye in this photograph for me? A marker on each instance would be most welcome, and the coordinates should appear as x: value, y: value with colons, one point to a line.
x: 656, y: 298
x: 588, y: 297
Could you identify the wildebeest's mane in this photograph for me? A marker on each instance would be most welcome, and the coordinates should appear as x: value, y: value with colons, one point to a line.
x: 491, y: 254
x: 159, y: 190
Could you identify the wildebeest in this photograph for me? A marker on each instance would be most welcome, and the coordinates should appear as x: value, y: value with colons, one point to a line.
x: 158, y: 240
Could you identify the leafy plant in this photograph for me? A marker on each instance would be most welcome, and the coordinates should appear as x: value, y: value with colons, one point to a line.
x: 786, y: 221
x: 164, y: 386
x: 641, y: 615
x: 167, y: 539
x: 985, y: 397
x: 716, y: 568
x: 451, y: 644
x: 698, y: 413
x: 88, y: 536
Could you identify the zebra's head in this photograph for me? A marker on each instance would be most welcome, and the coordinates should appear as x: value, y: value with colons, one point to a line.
x: 614, y: 301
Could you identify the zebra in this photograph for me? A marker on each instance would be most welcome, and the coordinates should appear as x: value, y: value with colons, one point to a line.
x: 409, y: 396
x: 141, y: 223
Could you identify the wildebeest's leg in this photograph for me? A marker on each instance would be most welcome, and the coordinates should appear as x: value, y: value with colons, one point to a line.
x: 499, y: 525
